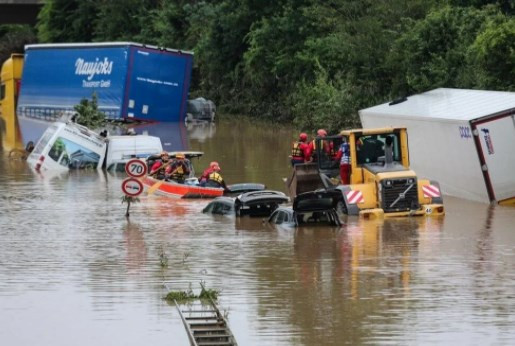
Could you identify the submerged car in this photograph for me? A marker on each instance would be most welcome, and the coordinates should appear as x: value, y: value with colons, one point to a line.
x: 200, y: 109
x: 220, y: 206
x: 315, y: 207
x: 255, y: 203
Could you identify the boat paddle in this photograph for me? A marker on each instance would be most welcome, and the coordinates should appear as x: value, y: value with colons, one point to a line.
x: 156, y: 186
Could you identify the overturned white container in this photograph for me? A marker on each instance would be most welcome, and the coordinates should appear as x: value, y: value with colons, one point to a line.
x: 464, y: 139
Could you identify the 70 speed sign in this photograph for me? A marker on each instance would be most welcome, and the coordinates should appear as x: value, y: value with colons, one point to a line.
x: 136, y: 168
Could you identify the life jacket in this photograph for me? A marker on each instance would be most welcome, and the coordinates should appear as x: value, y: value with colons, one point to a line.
x: 296, y: 151
x: 216, y: 177
x: 178, y: 171
x: 205, y: 175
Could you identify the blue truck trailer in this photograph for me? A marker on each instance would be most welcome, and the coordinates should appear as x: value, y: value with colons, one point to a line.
x: 131, y: 81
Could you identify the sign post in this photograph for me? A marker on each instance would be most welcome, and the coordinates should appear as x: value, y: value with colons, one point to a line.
x: 131, y: 186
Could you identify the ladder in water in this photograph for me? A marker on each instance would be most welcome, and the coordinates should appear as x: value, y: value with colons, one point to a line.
x: 205, y: 325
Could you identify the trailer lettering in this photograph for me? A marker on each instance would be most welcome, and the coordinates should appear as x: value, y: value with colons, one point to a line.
x: 92, y: 68
x: 465, y: 132
x: 488, y: 141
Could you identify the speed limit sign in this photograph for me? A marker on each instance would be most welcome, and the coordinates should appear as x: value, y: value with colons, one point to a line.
x: 136, y: 168
x: 132, y: 187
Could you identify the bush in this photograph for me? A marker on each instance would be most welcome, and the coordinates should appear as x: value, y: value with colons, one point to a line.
x: 325, y: 103
x: 88, y: 114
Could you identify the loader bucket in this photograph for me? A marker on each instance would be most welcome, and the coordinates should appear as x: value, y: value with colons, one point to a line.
x: 305, y: 177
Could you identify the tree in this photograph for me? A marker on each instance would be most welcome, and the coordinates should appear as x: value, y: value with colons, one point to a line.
x: 13, y: 38
x: 67, y: 20
x: 88, y: 114
x: 433, y: 51
x: 492, y: 56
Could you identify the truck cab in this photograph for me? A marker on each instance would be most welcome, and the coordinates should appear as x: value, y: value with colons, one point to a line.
x: 10, y: 80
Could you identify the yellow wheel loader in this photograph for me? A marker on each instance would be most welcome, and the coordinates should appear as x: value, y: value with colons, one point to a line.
x: 381, y: 181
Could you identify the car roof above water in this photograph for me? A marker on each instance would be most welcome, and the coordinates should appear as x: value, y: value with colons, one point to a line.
x: 262, y: 197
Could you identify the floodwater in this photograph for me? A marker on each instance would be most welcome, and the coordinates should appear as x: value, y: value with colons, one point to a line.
x: 75, y: 271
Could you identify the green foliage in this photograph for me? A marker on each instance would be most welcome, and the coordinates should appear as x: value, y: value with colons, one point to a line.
x: 492, y: 56
x: 88, y: 114
x: 67, y: 20
x: 130, y: 199
x: 432, y: 53
x: 13, y: 38
x: 123, y: 20
x: 179, y: 296
x: 307, y: 62
x: 327, y: 103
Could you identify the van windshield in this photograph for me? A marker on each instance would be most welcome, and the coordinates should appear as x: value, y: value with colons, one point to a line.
x: 72, y: 155
x: 44, y: 140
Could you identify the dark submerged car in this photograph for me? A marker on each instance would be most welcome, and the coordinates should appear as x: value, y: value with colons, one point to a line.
x: 259, y: 203
x: 220, y: 206
x: 255, y: 203
x: 315, y: 207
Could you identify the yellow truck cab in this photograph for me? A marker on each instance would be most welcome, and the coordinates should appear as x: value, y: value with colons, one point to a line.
x: 10, y: 77
x: 381, y: 181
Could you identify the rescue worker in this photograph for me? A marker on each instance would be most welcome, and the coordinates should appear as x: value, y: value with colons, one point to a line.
x: 328, y: 147
x: 344, y: 156
x: 213, y: 167
x: 300, y: 150
x: 214, y: 178
x: 179, y: 169
x: 158, y: 168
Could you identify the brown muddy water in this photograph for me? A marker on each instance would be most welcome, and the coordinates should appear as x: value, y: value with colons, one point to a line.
x: 74, y: 271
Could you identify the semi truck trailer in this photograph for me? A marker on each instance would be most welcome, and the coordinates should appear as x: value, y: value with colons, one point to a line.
x: 132, y: 82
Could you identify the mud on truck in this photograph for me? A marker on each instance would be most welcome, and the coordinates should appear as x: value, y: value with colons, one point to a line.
x: 381, y: 181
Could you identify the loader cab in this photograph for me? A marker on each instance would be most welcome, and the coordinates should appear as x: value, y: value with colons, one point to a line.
x: 374, y: 148
x: 325, y: 154
x: 375, y: 151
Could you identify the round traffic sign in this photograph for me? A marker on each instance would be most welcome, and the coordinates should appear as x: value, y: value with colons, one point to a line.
x: 136, y: 168
x: 132, y: 187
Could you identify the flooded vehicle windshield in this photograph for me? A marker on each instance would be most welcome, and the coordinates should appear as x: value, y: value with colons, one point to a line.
x: 70, y: 154
x: 44, y: 140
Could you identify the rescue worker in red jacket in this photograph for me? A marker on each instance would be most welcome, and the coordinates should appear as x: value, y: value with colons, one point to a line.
x: 328, y: 146
x: 179, y: 169
x: 212, y: 177
x: 156, y: 167
x: 213, y: 167
x: 300, y: 150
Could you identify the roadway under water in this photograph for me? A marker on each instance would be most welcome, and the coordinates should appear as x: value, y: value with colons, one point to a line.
x: 74, y: 271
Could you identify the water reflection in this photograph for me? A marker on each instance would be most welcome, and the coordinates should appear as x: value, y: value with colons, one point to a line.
x: 201, y: 131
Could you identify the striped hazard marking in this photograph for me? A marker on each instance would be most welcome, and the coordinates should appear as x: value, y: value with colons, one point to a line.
x: 431, y: 191
x: 355, y: 196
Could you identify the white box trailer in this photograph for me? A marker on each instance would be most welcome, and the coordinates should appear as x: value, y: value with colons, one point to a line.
x: 464, y: 139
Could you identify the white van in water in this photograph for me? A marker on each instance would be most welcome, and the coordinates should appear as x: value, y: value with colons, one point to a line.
x: 65, y: 146
x: 121, y: 149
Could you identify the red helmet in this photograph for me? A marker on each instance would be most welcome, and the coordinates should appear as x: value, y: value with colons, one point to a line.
x: 303, y: 136
x: 322, y: 133
x: 214, y: 165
